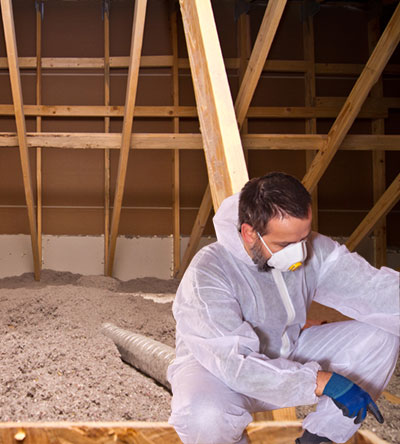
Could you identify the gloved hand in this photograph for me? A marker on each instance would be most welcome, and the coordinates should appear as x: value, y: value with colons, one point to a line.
x: 351, y: 399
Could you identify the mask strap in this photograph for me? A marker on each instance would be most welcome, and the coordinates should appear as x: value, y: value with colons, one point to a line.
x: 265, y: 245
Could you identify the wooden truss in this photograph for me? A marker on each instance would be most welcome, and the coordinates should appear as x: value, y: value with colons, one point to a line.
x: 220, y: 119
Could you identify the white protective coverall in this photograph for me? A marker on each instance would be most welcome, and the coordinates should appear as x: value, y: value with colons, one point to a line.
x: 239, y: 345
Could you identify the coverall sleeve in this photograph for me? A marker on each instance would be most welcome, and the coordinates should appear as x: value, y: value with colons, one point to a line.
x: 349, y: 284
x: 211, y: 325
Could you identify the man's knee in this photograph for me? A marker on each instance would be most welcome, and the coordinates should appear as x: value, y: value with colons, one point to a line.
x: 207, y: 421
x: 377, y: 342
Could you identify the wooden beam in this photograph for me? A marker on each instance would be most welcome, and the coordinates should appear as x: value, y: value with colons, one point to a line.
x: 142, y: 432
x: 372, y: 109
x: 386, y: 202
x: 131, y: 89
x: 39, y: 127
x: 295, y: 66
x: 106, y: 130
x: 175, y: 153
x: 373, y: 69
x: 193, y: 141
x: 259, y: 54
x: 222, y: 145
x: 12, y: 56
x: 378, y: 157
x: 310, y: 96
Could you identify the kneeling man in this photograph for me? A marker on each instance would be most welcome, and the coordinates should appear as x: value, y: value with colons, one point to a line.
x: 240, y: 310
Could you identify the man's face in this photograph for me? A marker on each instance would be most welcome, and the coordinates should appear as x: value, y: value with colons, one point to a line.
x: 281, y: 232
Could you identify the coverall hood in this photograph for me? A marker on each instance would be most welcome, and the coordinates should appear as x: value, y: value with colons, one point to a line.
x: 226, y: 224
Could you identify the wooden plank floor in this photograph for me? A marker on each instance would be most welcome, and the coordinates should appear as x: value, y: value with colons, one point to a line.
x: 129, y: 432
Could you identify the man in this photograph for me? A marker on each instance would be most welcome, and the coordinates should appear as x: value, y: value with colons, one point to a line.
x: 240, y: 309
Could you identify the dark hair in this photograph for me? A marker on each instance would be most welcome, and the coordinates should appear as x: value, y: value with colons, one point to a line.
x: 272, y: 195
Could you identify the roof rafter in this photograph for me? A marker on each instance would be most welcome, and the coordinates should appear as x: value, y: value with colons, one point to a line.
x: 226, y: 165
x: 259, y: 54
x: 131, y: 89
x: 12, y: 57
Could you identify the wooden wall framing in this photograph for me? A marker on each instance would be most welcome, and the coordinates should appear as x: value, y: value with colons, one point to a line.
x: 217, y: 125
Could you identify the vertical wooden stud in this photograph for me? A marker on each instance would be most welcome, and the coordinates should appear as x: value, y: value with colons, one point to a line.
x: 106, y: 130
x: 175, y: 153
x: 310, y: 95
x: 378, y: 157
x: 39, y: 17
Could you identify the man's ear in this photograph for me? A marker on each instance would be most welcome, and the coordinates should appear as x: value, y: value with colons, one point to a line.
x: 249, y: 234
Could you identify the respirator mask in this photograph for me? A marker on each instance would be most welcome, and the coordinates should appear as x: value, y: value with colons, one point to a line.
x: 289, y: 258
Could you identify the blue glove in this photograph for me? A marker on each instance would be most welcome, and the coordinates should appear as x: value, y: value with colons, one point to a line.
x: 351, y: 399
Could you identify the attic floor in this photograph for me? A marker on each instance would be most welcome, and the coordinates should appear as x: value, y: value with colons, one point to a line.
x: 55, y: 365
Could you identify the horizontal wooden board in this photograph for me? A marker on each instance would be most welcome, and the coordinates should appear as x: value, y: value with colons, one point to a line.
x: 271, y: 432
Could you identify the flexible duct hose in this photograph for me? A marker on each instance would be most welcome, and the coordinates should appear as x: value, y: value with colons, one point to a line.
x: 147, y: 355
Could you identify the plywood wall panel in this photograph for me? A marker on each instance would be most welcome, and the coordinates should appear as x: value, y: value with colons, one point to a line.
x: 332, y: 86
x: 157, y: 29
x: 7, y: 124
x: 73, y: 88
x: 148, y: 179
x: 343, y: 188
x: 187, y: 220
x: 276, y: 126
x: 224, y: 13
x: 72, y: 178
x: 71, y: 29
x: 73, y: 221
x: 5, y: 87
x: 341, y: 35
x: 262, y: 163
x: 393, y: 224
x: 154, y: 89
x: 193, y: 173
x: 145, y: 222
x: 274, y: 90
x: 147, y: 125
x: 72, y: 124
x: 285, y: 45
x: 186, y: 91
x: 360, y: 126
x: 335, y: 223
x: 14, y: 221
x: 11, y: 185
x: 25, y: 23
x: 391, y: 87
